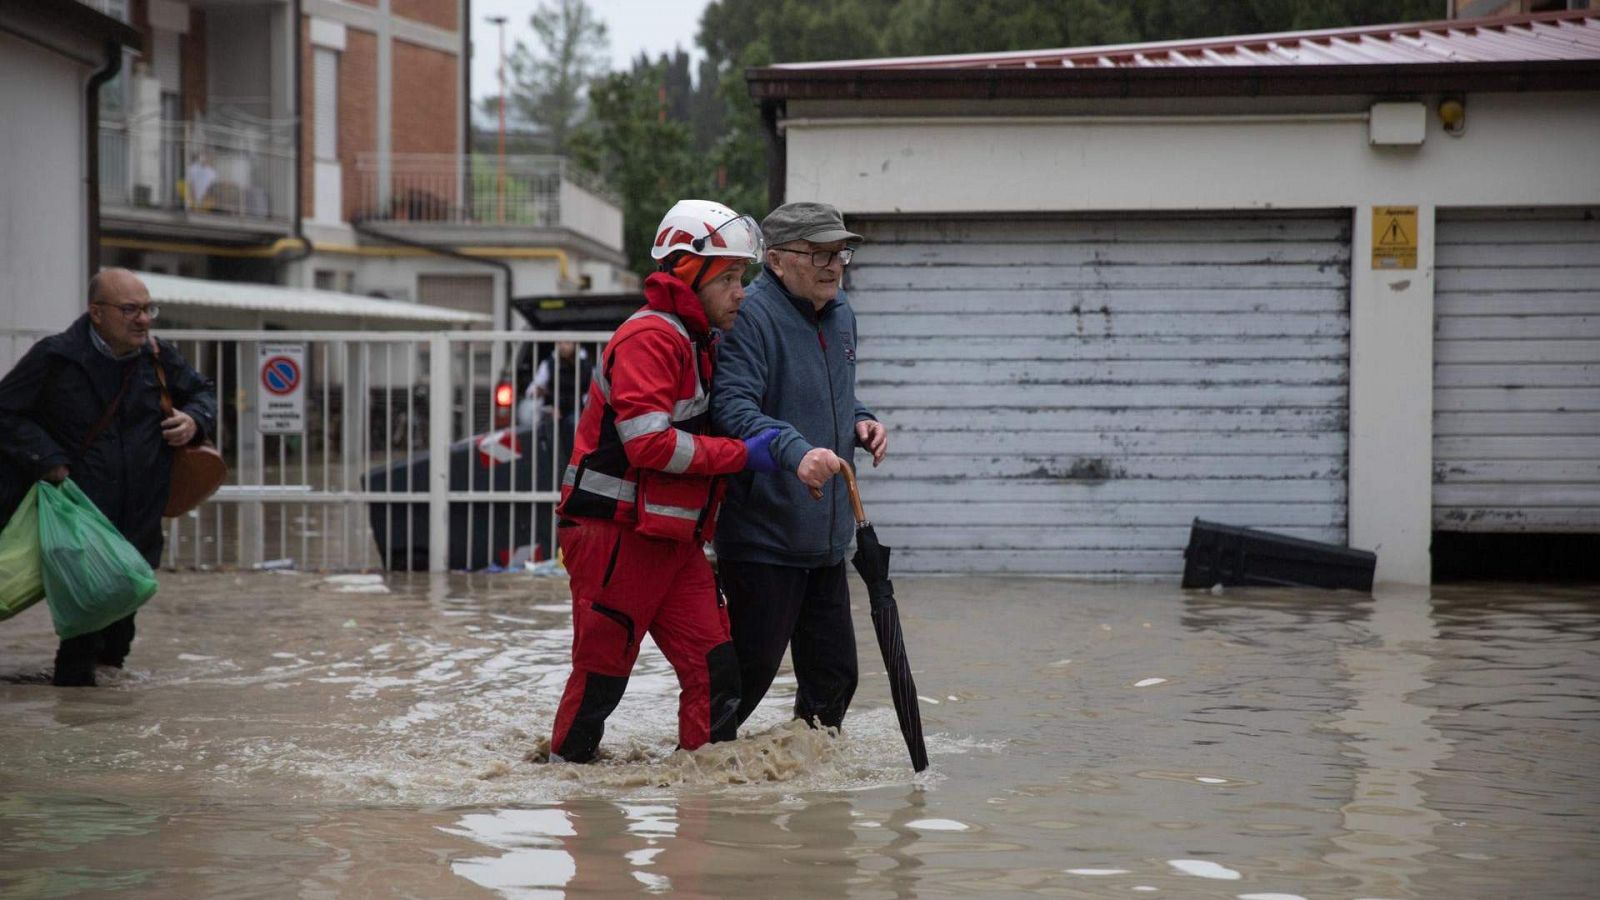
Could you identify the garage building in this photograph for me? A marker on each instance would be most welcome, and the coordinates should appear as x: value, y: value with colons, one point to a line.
x: 1338, y: 284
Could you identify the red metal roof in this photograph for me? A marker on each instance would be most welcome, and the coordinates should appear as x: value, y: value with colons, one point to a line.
x: 1566, y: 35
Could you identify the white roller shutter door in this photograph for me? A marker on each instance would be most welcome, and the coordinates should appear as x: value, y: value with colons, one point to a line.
x: 1517, y: 371
x: 1066, y: 395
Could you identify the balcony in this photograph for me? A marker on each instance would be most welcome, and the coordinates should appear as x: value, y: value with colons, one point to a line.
x: 197, y: 178
x: 441, y: 194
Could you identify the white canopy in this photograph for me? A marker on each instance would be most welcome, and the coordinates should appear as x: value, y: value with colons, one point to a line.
x: 177, y: 291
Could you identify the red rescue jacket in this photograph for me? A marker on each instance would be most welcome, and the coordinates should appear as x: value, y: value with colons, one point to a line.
x: 642, y: 454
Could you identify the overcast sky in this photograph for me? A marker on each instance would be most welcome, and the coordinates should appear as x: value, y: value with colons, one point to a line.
x: 653, y: 26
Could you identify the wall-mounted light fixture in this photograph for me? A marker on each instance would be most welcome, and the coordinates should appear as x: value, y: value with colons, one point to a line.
x: 1453, y: 114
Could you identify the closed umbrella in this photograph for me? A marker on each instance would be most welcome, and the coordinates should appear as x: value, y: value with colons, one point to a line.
x: 872, y: 561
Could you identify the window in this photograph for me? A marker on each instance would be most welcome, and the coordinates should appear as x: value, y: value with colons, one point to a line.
x: 323, y: 279
x: 325, y: 109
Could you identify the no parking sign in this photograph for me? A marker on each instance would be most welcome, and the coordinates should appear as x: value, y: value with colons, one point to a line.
x: 282, y: 388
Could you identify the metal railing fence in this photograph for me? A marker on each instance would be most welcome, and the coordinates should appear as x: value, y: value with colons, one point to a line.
x: 353, y: 484
x: 243, y: 171
x: 470, y: 190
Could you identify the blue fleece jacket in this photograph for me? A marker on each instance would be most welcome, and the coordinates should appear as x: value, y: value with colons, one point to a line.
x: 783, y: 365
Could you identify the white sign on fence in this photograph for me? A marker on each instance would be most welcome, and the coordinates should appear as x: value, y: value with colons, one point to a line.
x: 282, y: 388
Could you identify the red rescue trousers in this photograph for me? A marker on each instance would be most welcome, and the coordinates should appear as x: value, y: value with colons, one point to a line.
x: 623, y: 587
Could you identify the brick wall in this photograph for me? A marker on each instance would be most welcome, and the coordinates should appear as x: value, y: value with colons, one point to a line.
x: 441, y: 13
x: 427, y: 118
x: 358, y: 111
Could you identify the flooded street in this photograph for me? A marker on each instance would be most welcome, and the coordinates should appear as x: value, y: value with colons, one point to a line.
x: 284, y: 734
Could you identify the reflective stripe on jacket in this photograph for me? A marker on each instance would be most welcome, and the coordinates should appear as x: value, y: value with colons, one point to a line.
x: 642, y: 454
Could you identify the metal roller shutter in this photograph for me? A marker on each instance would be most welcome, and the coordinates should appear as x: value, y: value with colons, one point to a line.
x: 1516, y: 394
x: 1066, y: 395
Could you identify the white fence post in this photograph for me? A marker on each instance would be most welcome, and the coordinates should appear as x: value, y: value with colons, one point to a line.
x: 440, y: 391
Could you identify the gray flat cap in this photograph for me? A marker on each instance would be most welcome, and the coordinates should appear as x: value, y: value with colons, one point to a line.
x: 818, y: 223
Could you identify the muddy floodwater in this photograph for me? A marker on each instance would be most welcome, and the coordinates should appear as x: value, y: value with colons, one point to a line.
x: 283, y: 734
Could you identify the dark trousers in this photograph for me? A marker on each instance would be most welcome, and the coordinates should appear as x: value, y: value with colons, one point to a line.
x: 76, y: 657
x: 771, y: 607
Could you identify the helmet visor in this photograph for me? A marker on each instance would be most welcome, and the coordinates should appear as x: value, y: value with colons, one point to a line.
x: 739, y: 236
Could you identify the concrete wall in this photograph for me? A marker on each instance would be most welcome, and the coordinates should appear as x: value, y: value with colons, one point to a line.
x: 1517, y: 150
x: 43, y: 232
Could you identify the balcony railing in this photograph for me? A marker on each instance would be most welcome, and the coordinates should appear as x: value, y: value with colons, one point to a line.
x: 242, y: 173
x: 535, y: 191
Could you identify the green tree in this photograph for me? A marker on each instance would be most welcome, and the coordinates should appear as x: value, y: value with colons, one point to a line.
x: 920, y: 27
x: 644, y: 155
x: 547, y: 85
x: 1161, y: 20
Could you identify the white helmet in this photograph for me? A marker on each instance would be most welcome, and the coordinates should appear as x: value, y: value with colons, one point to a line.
x: 705, y: 228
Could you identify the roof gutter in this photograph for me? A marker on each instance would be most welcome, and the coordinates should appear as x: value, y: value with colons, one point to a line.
x: 776, y: 84
x: 298, y: 62
x: 772, y: 118
x: 91, y: 98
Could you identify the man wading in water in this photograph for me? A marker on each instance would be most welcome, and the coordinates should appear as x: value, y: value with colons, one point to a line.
x: 640, y: 496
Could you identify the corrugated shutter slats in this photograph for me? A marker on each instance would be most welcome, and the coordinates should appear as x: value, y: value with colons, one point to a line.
x: 1517, y: 371
x: 1065, y: 395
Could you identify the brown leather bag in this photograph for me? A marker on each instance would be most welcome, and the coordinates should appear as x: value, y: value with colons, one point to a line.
x: 197, y: 469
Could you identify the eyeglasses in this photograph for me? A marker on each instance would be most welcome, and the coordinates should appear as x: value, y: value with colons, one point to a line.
x: 133, y: 310
x: 821, y: 258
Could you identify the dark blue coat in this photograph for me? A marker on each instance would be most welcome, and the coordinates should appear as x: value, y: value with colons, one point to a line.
x: 53, y: 397
x: 784, y: 365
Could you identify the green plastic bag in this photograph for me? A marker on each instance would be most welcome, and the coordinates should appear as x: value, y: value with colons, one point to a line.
x: 21, y: 583
x: 92, y: 575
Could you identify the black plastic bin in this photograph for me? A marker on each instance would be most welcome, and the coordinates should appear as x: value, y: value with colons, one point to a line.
x: 1234, y: 556
x: 498, y: 528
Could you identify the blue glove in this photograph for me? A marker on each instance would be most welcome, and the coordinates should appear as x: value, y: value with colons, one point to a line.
x: 758, y: 452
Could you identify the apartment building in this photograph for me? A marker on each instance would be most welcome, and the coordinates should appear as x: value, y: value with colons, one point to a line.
x: 321, y: 146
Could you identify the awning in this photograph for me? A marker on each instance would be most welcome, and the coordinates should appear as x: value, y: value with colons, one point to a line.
x: 177, y: 291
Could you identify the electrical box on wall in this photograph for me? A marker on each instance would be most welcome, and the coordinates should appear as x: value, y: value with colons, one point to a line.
x: 1397, y: 124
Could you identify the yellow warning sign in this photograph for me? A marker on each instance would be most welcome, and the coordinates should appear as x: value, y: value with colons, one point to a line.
x: 1394, y: 237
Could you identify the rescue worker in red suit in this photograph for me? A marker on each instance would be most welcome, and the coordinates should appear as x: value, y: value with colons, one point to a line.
x: 640, y: 495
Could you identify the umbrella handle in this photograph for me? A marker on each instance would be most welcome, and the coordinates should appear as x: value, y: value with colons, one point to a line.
x: 855, y: 495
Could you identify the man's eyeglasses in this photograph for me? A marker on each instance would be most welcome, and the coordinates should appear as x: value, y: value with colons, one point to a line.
x: 821, y: 258
x: 133, y: 310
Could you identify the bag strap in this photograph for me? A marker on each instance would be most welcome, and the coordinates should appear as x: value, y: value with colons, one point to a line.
x: 111, y: 410
x: 161, y: 378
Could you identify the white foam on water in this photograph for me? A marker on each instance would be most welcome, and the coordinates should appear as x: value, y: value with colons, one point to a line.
x: 1206, y: 779
x: 1149, y: 682
x: 938, y: 825
x: 1271, y: 897
x: 194, y: 657
x: 1201, y: 868
x: 1097, y: 871
x: 1143, y: 888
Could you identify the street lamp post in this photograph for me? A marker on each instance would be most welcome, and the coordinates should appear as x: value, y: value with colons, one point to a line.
x: 500, y: 169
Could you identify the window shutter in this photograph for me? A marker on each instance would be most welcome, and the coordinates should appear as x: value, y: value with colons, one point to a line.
x: 325, y: 109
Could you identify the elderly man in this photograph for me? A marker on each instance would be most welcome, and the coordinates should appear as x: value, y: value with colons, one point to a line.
x: 86, y: 403
x: 790, y: 364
